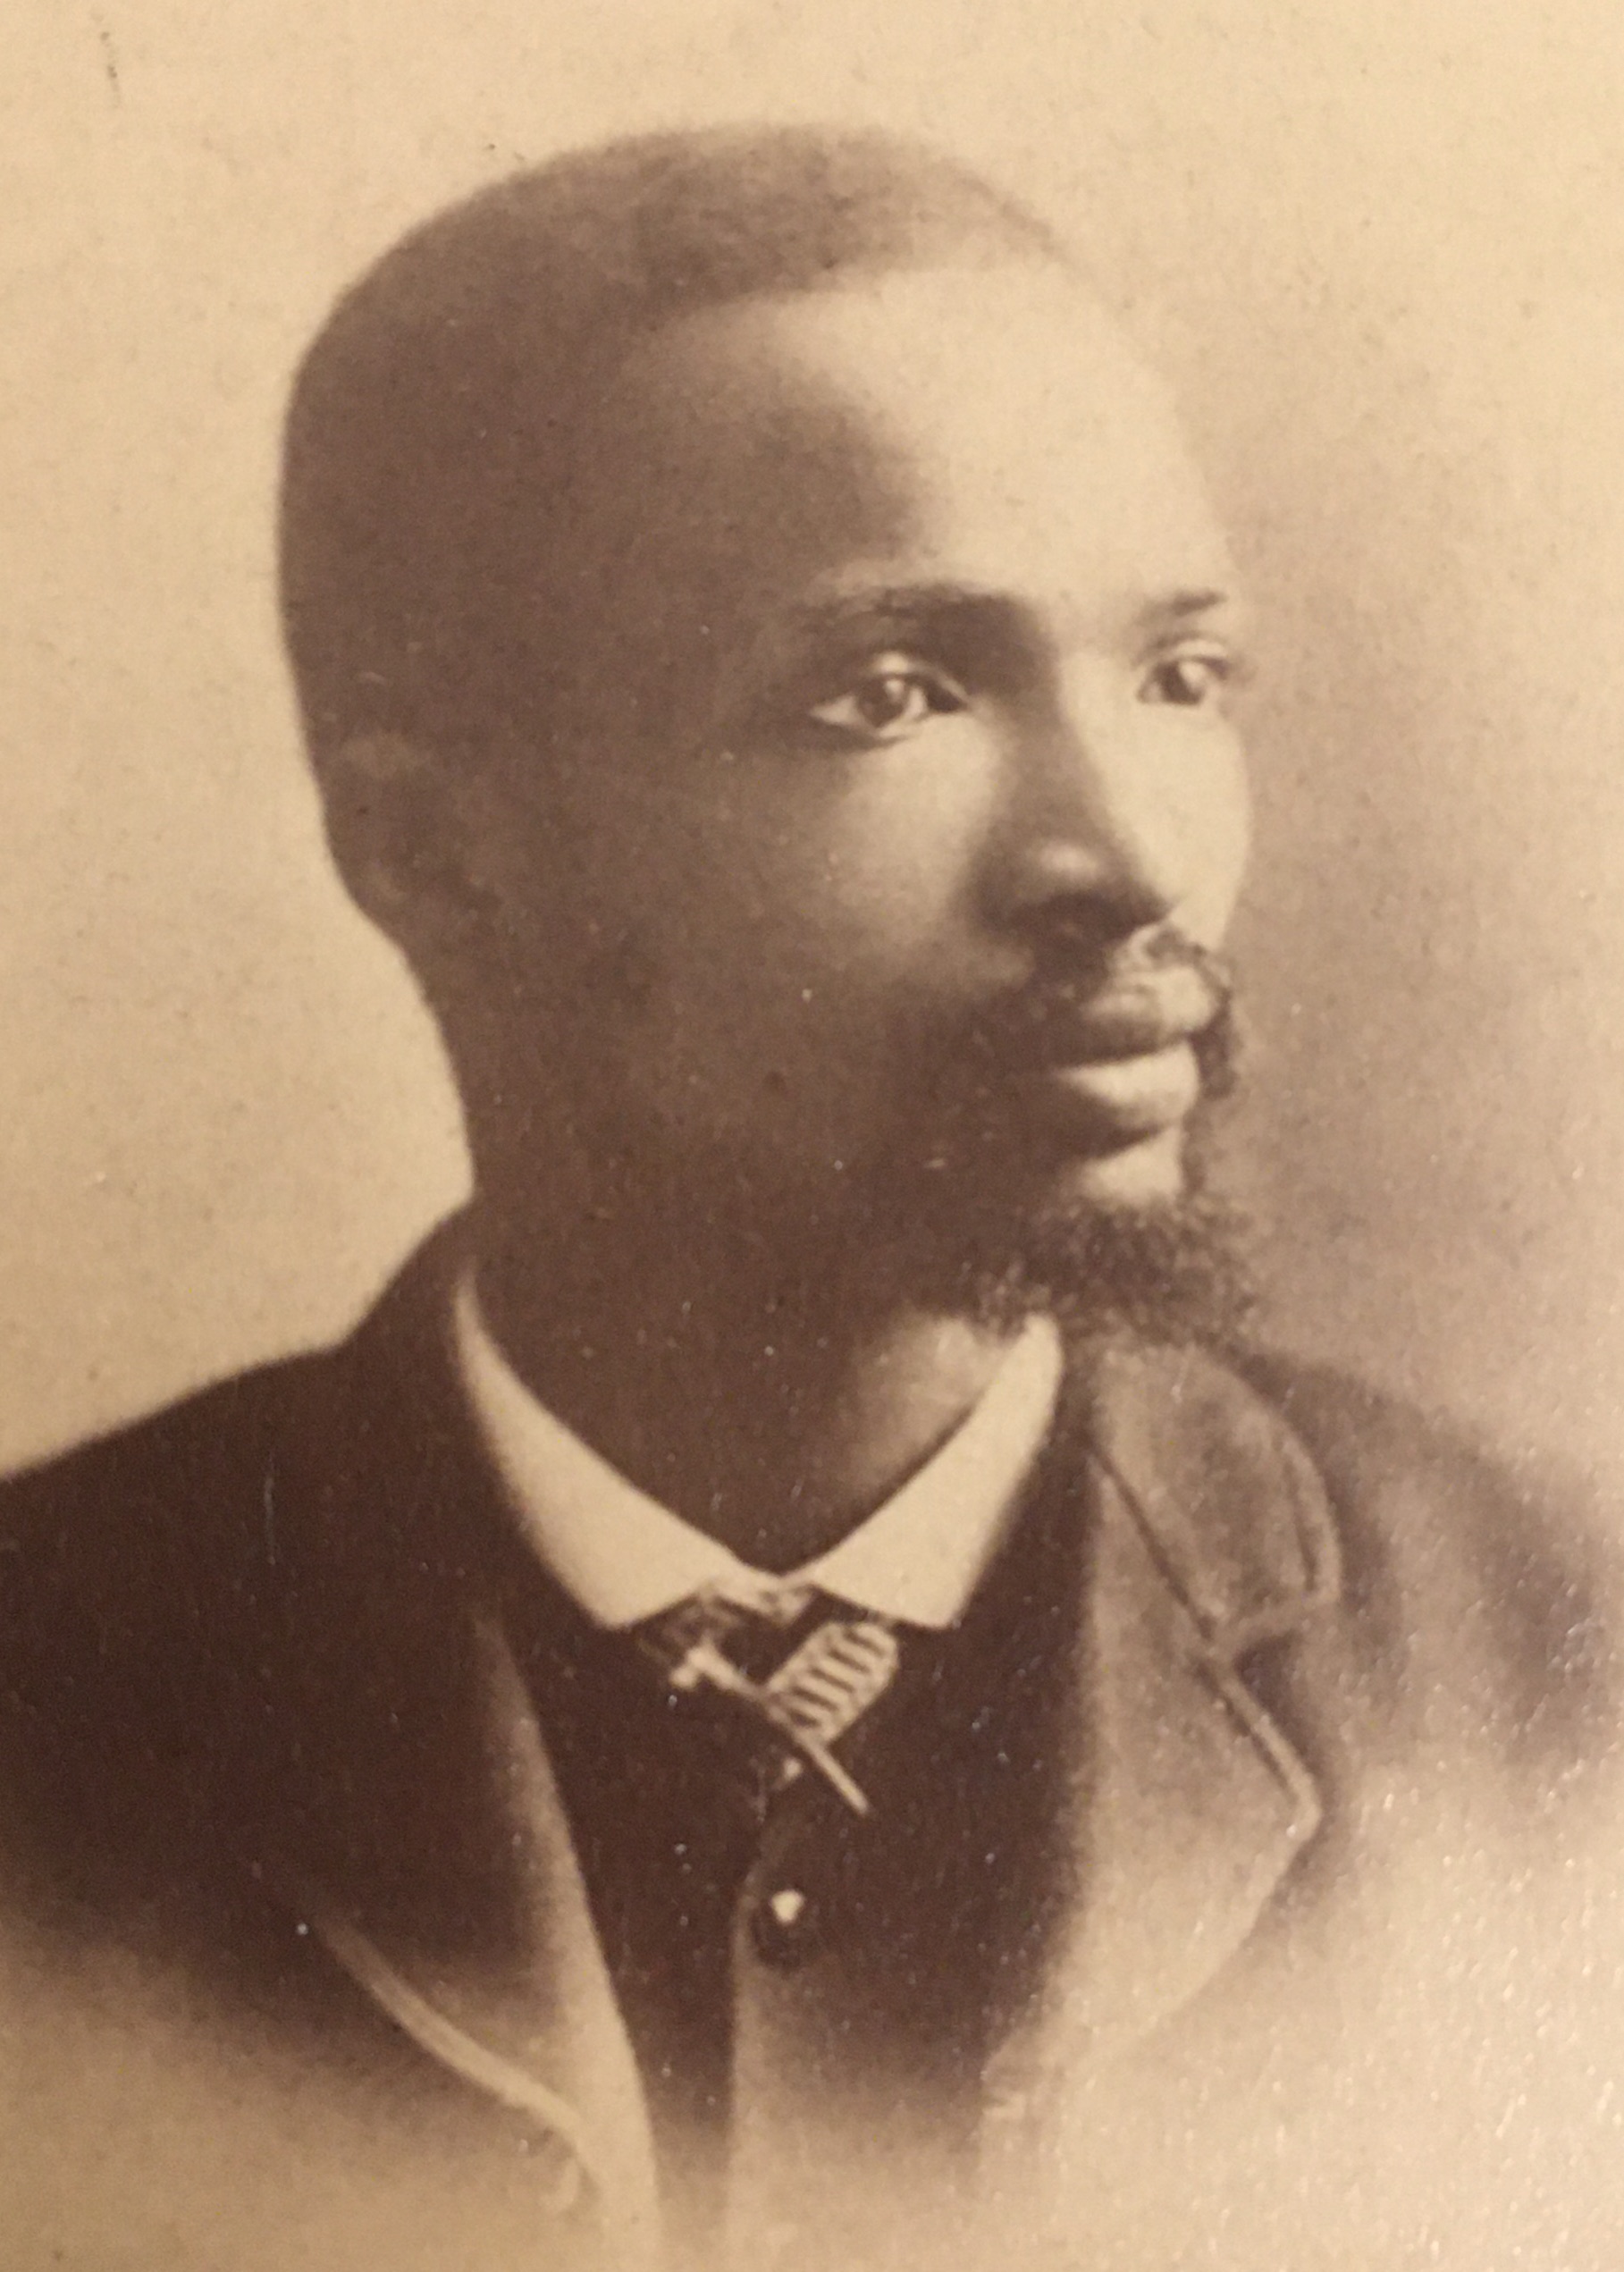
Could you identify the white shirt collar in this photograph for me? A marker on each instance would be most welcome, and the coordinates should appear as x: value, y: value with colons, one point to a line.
x: 625, y: 1557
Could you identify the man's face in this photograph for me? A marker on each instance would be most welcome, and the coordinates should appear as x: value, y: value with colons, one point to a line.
x: 889, y: 785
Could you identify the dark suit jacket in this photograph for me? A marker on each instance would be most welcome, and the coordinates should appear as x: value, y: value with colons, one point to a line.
x: 297, y: 1970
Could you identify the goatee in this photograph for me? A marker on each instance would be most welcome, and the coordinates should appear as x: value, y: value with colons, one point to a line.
x: 1175, y: 1271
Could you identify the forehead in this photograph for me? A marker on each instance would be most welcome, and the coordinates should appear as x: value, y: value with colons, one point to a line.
x: 761, y: 464
x: 982, y: 428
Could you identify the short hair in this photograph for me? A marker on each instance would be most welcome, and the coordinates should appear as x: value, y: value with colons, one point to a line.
x: 436, y: 409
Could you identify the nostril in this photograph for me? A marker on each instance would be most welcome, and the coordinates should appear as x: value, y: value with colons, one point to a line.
x: 1081, y: 929
x: 1100, y: 884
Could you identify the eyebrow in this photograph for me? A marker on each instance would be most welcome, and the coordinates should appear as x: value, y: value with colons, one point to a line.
x: 1179, y: 606
x: 905, y: 605
x: 902, y: 603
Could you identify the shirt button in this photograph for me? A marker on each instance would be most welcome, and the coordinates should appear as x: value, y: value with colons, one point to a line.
x: 784, y: 1926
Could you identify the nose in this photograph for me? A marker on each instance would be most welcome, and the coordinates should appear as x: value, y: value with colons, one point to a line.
x: 1100, y: 837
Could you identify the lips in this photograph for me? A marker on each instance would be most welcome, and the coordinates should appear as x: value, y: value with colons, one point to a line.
x: 1114, y: 1101
x: 1098, y: 1068
x: 1062, y: 1029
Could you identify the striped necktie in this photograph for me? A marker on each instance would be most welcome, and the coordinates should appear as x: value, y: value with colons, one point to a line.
x: 804, y: 1667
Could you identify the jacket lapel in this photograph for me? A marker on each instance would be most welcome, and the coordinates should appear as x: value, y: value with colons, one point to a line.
x: 522, y: 2007
x: 1211, y: 1537
x: 407, y: 1806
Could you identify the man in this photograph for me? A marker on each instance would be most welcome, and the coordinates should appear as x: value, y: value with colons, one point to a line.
x: 796, y: 1695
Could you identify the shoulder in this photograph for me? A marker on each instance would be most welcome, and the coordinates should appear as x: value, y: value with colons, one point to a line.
x: 1475, y: 1588
x: 140, y: 1515
x: 177, y: 1512
x: 183, y: 1599
x: 136, y: 1588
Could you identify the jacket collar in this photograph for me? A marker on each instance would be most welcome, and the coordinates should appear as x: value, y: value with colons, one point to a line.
x: 1210, y: 1535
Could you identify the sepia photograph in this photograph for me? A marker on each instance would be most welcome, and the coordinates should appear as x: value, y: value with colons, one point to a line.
x: 811, y: 963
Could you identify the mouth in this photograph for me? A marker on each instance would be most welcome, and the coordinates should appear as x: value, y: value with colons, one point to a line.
x: 1104, y: 1103
x: 1114, y: 1067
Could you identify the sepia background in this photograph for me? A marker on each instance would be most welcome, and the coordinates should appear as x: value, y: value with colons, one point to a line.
x: 1379, y: 246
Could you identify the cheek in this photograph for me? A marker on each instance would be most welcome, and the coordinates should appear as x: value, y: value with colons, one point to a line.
x: 805, y: 922
x: 1217, y: 807
x: 757, y: 941
x: 853, y: 870
x: 1239, y: 838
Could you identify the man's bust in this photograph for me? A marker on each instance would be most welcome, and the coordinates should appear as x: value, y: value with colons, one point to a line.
x: 801, y: 1693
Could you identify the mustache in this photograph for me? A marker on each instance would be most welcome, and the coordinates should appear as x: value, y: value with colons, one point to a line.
x: 1092, y: 1006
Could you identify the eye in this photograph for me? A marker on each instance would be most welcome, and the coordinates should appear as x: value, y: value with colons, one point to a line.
x: 1192, y: 680
x: 895, y: 696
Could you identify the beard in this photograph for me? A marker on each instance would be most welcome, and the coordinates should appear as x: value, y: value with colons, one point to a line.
x: 1174, y: 1271
x: 1002, y: 1239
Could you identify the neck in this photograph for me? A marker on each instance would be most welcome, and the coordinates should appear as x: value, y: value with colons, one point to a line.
x: 773, y: 1409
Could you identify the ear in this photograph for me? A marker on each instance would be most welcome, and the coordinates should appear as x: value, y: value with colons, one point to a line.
x: 398, y: 835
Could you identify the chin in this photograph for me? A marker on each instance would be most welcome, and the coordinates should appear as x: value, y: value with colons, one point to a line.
x: 1134, y: 1242
x: 1149, y: 1175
